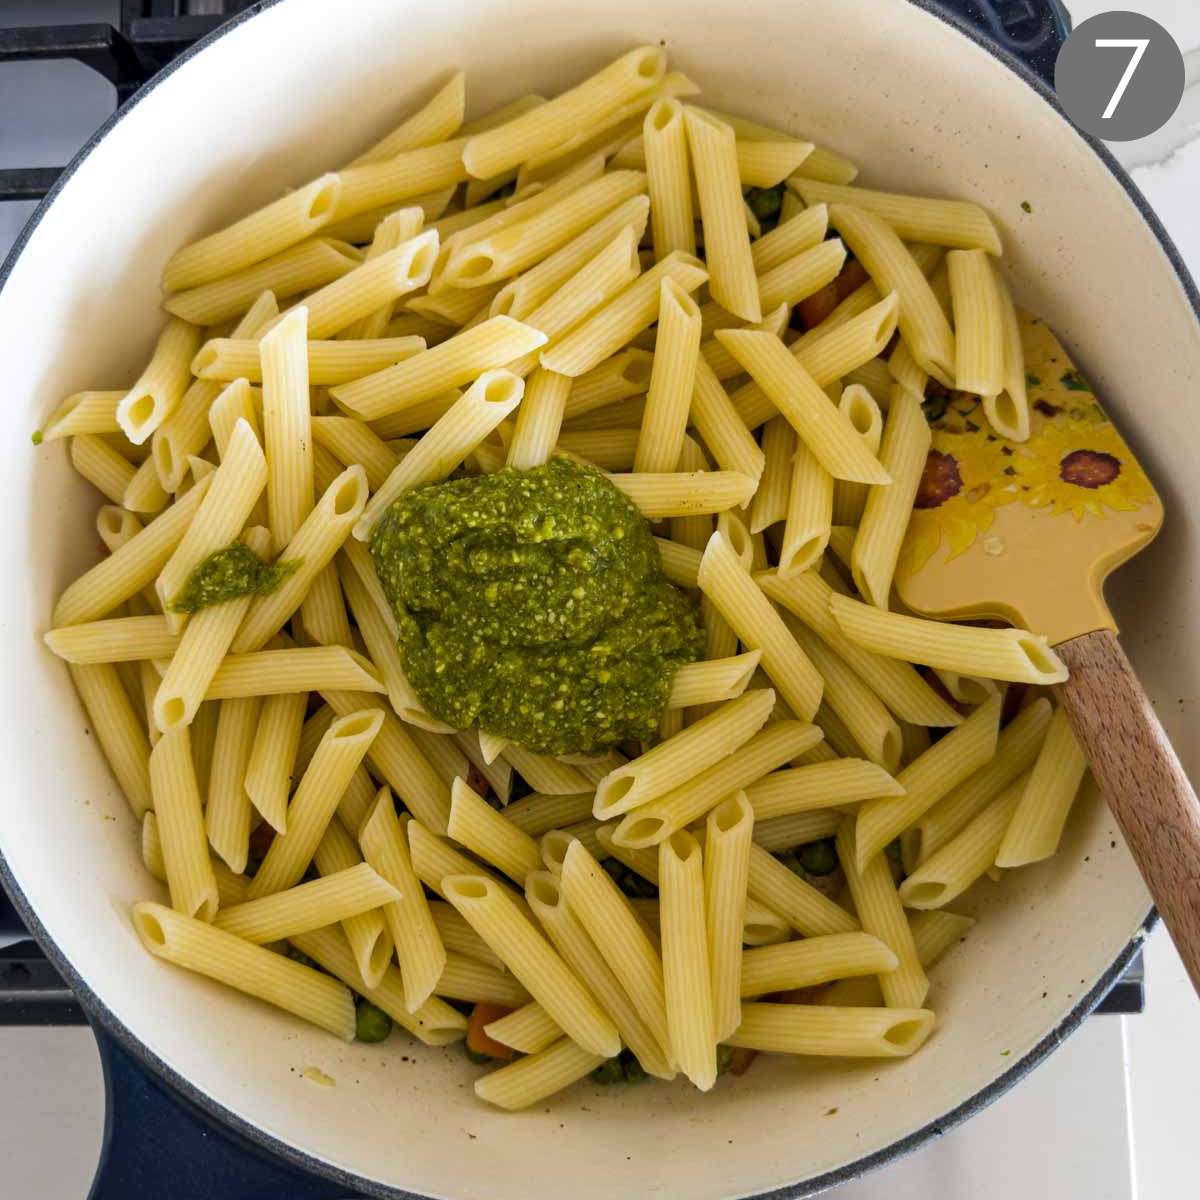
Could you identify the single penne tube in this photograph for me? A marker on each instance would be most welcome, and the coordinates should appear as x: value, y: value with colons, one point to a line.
x: 157, y: 391
x: 609, y: 328
x: 353, y: 441
x: 198, y: 946
x: 965, y: 858
x: 108, y: 471
x: 718, y: 423
x: 544, y: 773
x: 404, y: 176
x: 672, y: 379
x: 790, y: 238
x: 268, y: 773
x: 118, y: 730
x: 437, y: 119
x: 774, y: 487
x: 434, y: 858
x: 419, y: 946
x: 727, y: 842
x: 506, y: 252
x: 604, y: 913
x: 727, y: 583
x: 538, y: 130
x: 83, y: 413
x: 267, y: 231
x: 307, y: 906
x: 608, y: 449
x: 131, y: 567
x: 680, y: 758
x: 310, y: 264
x: 323, y: 618
x: 426, y: 375
x: 828, y: 166
x: 1045, y: 801
x: 312, y: 807
x: 799, y: 903
x: 533, y: 961
x: 623, y: 376
x: 493, y: 396
x: 372, y: 284
x: 685, y: 493
x: 1017, y: 749
x: 797, y: 396
x: 540, y: 812
x: 227, y: 813
x: 295, y: 669
x: 528, y: 1029
x: 686, y: 976
x: 797, y: 829
x: 397, y: 760
x: 489, y: 834
x: 818, y: 786
x: 806, y: 963
x: 680, y: 564
x: 927, y: 779
x: 393, y: 231
x: 115, y: 526
x: 887, y: 260
x: 762, y: 927
x: 235, y: 488
x: 764, y: 164
x: 809, y: 514
x: 970, y: 690
x: 880, y: 912
x: 904, y: 370
x: 668, y: 175
x: 377, y: 626
x: 713, y: 680
x: 828, y: 356
x: 713, y: 148
x: 896, y: 683
x: 329, y: 362
x: 442, y: 754
x: 231, y: 888
x: 773, y: 746
x: 1008, y: 413
x: 978, y: 323
x: 311, y: 549
x: 536, y: 1077
x: 802, y: 275
x: 181, y: 827
x: 539, y: 420
x: 435, y: 1023
x: 1014, y: 655
x: 955, y: 223
x: 369, y: 938
x: 862, y: 411
x: 837, y: 1032
x: 120, y: 639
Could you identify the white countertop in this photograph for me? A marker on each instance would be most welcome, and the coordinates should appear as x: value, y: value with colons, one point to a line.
x: 1138, y: 1071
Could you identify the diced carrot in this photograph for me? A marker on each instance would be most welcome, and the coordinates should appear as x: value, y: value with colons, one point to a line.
x: 478, y: 1041
x: 812, y: 310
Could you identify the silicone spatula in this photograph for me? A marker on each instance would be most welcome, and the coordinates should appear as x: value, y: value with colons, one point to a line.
x: 1028, y: 533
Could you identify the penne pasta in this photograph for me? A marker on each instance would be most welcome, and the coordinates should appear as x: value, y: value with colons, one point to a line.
x: 799, y: 903
x: 668, y: 176
x: 118, y: 730
x: 672, y: 379
x: 158, y: 390
x: 227, y: 811
x: 979, y: 335
x: 806, y: 963
x: 820, y: 785
x: 685, y: 493
x: 478, y: 827
x: 727, y: 842
x: 838, y: 1032
x: 436, y: 120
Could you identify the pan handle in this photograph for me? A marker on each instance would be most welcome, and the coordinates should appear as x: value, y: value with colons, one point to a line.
x: 1030, y: 30
x: 157, y: 1145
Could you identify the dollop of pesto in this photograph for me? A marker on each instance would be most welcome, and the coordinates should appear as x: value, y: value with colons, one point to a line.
x: 227, y: 574
x: 534, y: 603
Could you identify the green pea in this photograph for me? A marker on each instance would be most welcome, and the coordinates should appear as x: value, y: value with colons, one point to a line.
x: 765, y: 203
x: 609, y: 1071
x: 819, y: 858
x: 724, y: 1059
x: 634, y: 1071
x: 371, y: 1024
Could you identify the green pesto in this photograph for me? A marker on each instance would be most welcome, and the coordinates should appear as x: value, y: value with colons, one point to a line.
x: 227, y: 574
x: 36, y: 437
x: 534, y: 604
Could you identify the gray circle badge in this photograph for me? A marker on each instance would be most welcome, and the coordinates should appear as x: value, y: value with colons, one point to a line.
x: 1119, y: 76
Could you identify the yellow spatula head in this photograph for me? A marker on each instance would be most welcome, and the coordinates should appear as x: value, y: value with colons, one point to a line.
x: 1026, y: 532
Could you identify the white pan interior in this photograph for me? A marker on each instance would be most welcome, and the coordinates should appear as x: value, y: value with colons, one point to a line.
x: 295, y: 91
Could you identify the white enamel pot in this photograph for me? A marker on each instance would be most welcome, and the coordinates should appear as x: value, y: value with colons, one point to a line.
x: 925, y: 103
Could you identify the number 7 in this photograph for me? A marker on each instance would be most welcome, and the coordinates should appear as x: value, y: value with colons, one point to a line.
x: 1138, y: 46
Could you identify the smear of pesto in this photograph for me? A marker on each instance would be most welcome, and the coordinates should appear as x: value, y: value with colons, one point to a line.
x: 227, y: 574
x: 534, y: 603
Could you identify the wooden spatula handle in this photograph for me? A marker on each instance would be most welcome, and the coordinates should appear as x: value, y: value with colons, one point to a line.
x: 1142, y: 780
